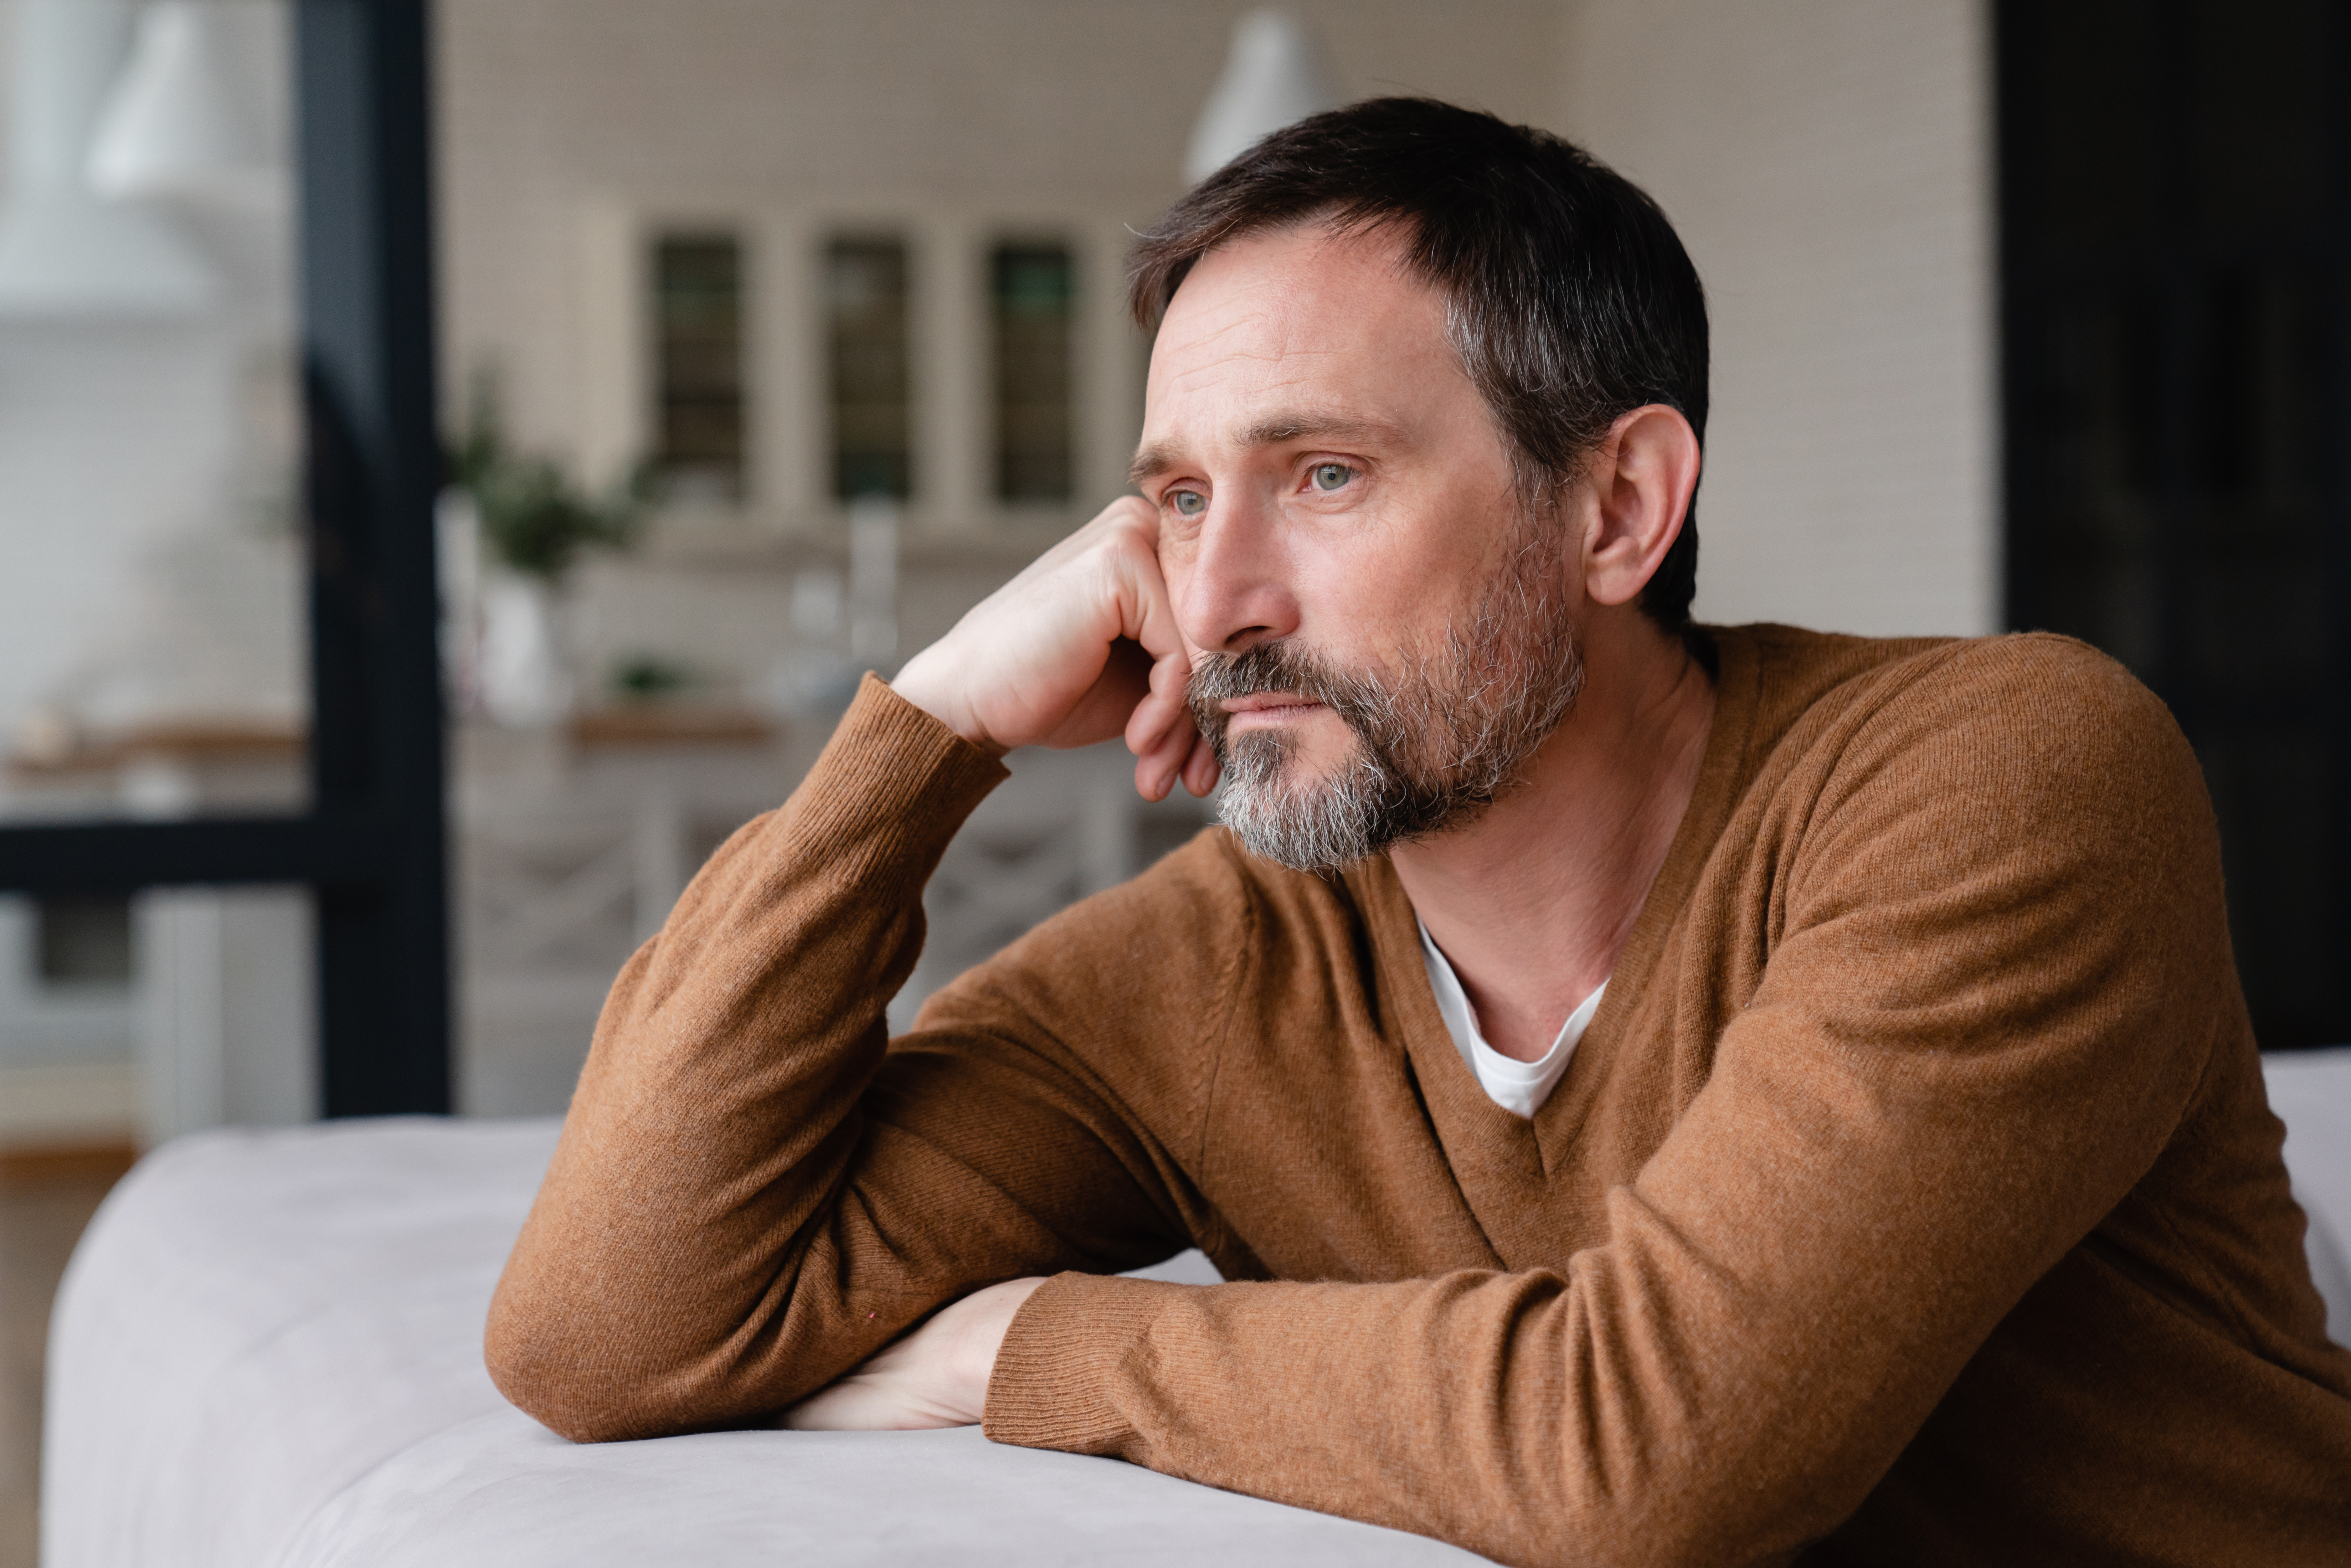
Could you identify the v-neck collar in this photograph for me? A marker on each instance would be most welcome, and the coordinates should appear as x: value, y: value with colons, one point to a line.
x: 1499, y: 1158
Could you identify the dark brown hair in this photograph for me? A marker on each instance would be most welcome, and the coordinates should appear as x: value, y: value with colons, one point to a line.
x: 1571, y: 298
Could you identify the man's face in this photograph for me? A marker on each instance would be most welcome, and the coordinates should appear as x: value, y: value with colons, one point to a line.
x: 1380, y: 637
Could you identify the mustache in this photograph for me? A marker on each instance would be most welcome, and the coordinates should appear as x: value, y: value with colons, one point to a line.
x: 1283, y: 668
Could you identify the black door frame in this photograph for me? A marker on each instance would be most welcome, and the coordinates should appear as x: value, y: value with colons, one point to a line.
x: 374, y: 846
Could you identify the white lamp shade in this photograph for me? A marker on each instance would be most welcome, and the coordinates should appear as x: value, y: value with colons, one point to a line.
x: 64, y: 251
x: 191, y: 116
x: 65, y: 55
x: 194, y: 114
x: 1276, y: 75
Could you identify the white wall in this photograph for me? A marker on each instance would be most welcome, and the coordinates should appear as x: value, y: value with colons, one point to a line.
x: 1828, y: 164
x: 134, y: 580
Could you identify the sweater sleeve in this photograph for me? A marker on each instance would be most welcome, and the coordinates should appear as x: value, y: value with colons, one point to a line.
x: 755, y: 1191
x: 1996, y: 969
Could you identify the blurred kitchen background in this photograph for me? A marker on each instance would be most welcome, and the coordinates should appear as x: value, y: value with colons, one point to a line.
x: 773, y: 335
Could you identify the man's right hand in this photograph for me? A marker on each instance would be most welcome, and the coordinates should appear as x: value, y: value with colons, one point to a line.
x: 1083, y: 645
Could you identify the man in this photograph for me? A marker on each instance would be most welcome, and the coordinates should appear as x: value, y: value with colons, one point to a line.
x: 1660, y: 1094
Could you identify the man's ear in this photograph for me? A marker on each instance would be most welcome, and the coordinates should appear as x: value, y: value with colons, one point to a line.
x: 1642, y: 479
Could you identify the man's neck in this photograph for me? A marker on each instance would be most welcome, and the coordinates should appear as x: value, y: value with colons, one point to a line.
x: 1532, y: 903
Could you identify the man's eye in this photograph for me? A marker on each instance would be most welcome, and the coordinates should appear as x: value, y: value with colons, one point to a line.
x: 1332, y: 475
x: 1187, y: 503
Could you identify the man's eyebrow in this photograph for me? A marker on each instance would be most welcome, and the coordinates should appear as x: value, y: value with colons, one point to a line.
x: 1160, y: 456
x: 1150, y: 463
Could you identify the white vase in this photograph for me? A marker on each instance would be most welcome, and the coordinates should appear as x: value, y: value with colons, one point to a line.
x: 526, y: 681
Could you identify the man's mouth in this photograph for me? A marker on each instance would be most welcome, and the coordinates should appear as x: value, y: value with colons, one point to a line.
x: 1260, y: 710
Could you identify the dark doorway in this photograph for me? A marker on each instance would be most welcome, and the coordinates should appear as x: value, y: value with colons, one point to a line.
x: 2174, y: 276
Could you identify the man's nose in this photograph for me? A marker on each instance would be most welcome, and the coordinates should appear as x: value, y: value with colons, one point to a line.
x: 1237, y: 593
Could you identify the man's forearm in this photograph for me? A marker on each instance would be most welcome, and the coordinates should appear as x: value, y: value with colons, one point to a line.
x: 659, y: 1282
x: 1535, y: 1419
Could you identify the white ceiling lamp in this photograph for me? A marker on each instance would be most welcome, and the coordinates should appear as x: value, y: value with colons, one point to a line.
x: 191, y: 118
x: 65, y: 251
x: 1276, y: 75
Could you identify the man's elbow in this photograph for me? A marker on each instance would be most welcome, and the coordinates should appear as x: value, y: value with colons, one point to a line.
x: 548, y: 1364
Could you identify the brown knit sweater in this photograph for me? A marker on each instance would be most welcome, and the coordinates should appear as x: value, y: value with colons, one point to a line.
x: 1913, y: 1195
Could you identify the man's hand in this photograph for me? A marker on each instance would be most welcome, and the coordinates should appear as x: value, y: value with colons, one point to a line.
x: 936, y: 1377
x: 1083, y: 645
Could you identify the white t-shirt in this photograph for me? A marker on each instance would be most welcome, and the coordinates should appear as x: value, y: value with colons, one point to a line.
x: 1514, y: 1086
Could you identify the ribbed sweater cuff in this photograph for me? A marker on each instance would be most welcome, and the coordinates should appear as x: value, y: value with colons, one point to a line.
x: 1054, y: 1383
x: 891, y: 765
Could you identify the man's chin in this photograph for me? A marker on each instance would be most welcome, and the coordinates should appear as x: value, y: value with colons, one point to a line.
x: 1314, y: 751
x: 1285, y: 809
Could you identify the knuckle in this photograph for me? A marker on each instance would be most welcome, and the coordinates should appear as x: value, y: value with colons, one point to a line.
x: 1124, y: 526
x: 1121, y: 514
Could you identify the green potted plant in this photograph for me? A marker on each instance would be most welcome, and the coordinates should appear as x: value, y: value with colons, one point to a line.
x: 534, y: 522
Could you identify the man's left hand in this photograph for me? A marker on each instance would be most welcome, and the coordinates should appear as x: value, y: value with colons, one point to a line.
x: 936, y: 1377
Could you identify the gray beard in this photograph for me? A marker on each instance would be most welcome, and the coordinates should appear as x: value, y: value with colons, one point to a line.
x: 1437, y: 740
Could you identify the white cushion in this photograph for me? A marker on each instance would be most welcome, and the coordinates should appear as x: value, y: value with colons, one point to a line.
x: 268, y: 1353
x: 2310, y: 1093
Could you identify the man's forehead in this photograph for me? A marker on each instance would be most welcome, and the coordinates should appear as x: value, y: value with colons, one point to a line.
x: 1286, y: 289
x: 1287, y: 337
